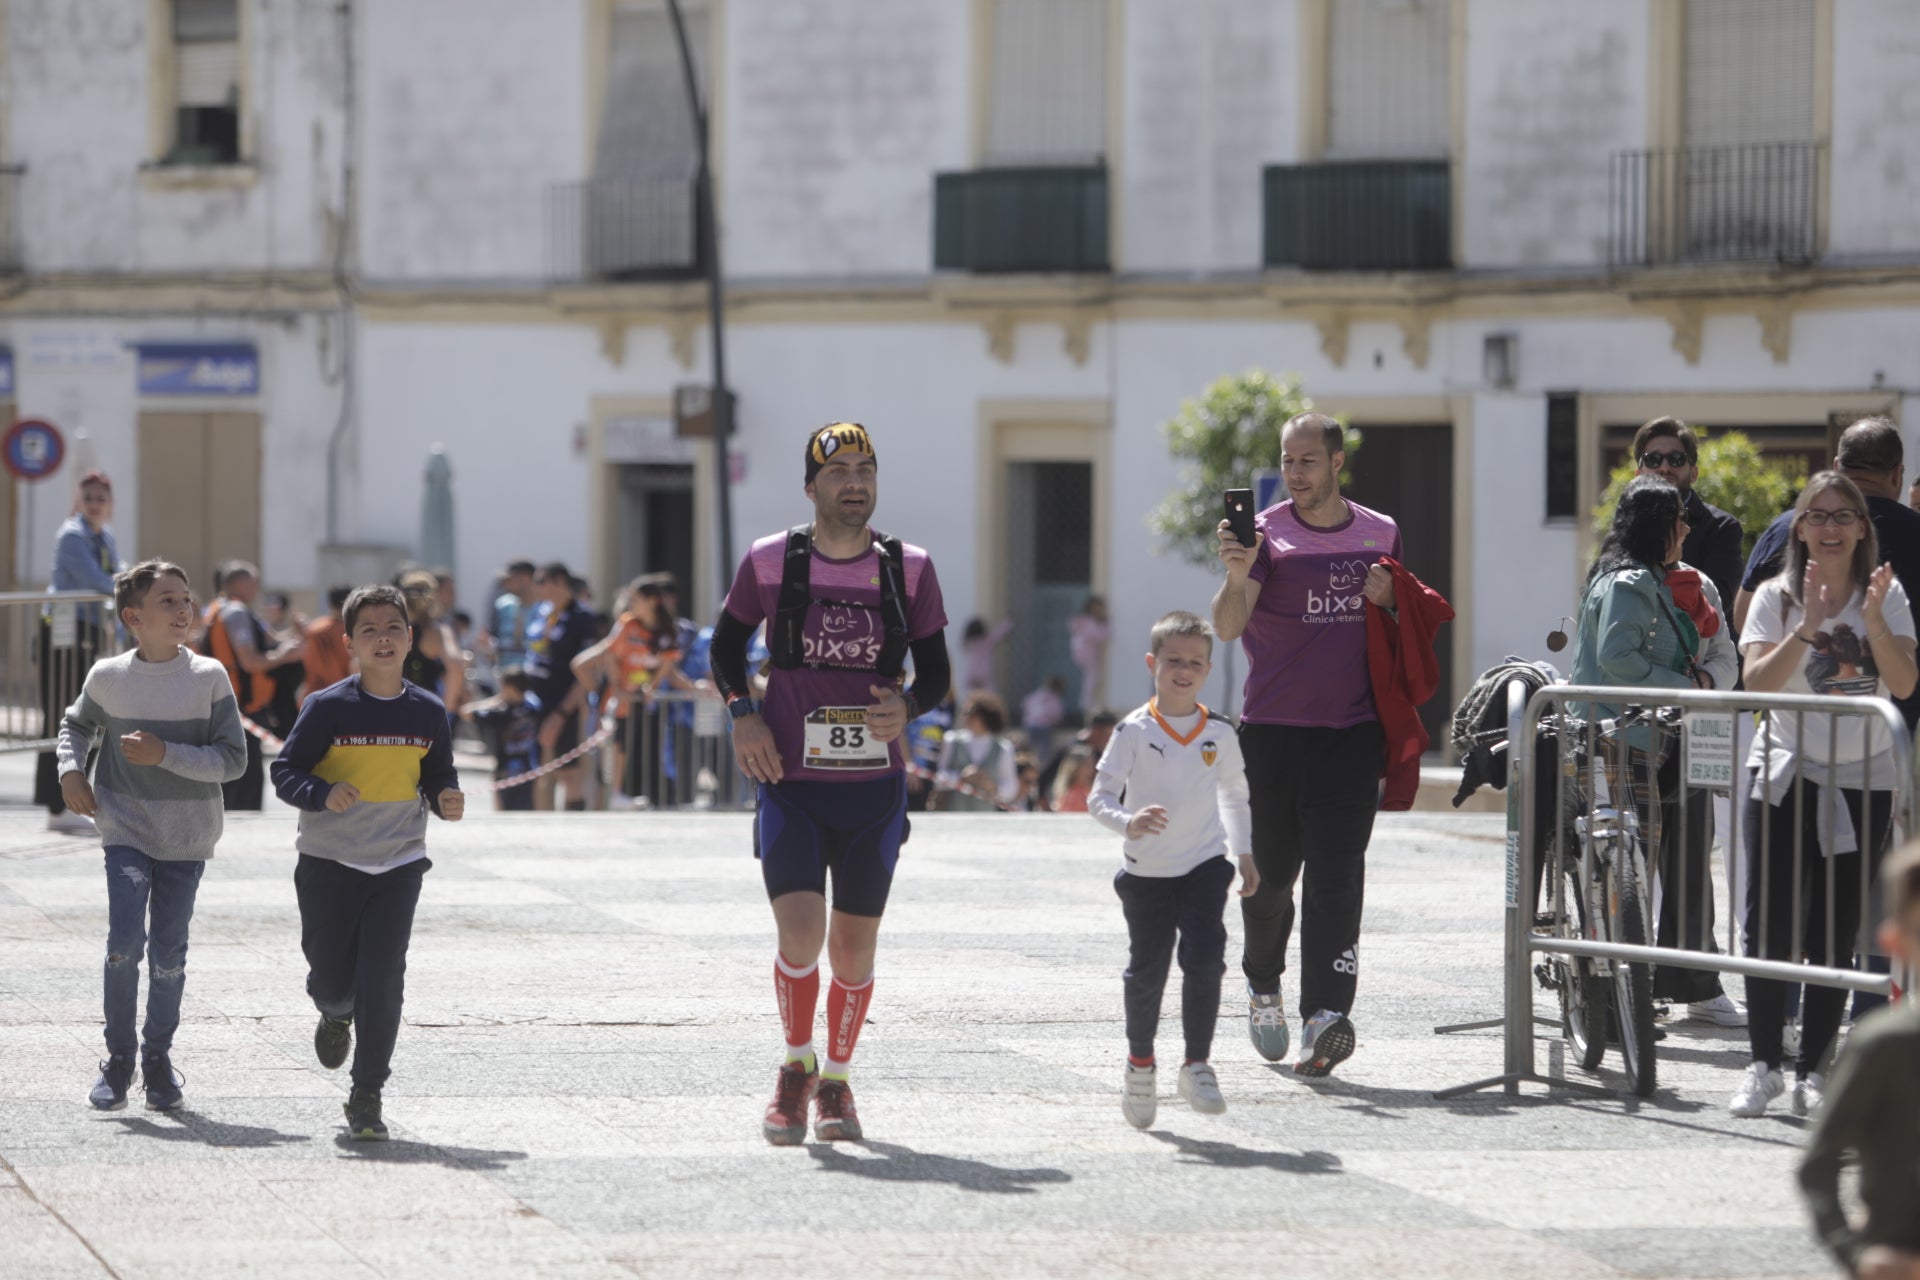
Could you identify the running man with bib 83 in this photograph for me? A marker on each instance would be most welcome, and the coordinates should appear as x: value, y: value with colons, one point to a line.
x: 844, y: 606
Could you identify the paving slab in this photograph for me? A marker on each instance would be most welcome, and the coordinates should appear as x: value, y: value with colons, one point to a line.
x: 590, y: 1037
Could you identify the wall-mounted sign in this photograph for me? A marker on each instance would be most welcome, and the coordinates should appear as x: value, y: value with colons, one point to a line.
x: 177, y: 369
x: 32, y: 449
x: 645, y: 440
x: 693, y: 411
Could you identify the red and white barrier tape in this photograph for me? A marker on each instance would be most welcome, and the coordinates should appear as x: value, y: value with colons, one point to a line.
x: 608, y: 727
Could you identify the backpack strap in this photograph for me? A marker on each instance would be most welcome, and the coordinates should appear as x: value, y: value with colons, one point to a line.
x: 786, y: 646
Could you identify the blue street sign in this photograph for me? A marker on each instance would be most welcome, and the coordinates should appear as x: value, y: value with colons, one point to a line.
x: 176, y: 369
x: 32, y: 449
x: 1266, y: 489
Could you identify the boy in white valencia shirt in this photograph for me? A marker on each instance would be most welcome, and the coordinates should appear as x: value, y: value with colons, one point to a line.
x: 1173, y: 783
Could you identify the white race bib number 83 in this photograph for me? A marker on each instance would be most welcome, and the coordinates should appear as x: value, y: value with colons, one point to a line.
x: 837, y: 738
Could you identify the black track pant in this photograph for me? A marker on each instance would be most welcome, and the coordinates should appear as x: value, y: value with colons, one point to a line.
x: 354, y: 930
x: 1314, y: 794
x: 1159, y: 908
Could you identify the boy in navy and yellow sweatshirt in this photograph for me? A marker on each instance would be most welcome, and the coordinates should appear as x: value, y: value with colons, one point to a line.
x: 365, y: 761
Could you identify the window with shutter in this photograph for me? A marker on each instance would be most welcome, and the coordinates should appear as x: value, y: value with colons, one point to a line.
x: 1387, y: 82
x: 206, y: 90
x: 1749, y: 72
x: 1048, y: 84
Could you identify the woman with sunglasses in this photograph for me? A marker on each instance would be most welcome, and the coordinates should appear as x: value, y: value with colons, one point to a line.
x: 1830, y: 622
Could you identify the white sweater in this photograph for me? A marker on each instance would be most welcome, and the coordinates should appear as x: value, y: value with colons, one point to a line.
x: 1189, y: 765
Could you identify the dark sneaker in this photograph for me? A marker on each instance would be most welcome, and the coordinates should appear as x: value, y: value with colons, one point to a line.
x: 363, y: 1116
x: 162, y: 1082
x: 834, y: 1119
x: 109, y: 1092
x: 1326, y: 1043
x: 786, y: 1121
x: 331, y: 1041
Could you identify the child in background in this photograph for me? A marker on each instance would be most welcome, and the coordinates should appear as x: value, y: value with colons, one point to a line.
x: 170, y: 735
x: 365, y: 762
x: 1873, y: 1110
x: 977, y: 643
x: 509, y: 723
x: 1172, y: 782
x: 1073, y: 784
x: 1087, y: 634
x: 1041, y: 713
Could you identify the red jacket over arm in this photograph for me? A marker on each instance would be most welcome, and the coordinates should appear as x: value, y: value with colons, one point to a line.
x: 1405, y: 674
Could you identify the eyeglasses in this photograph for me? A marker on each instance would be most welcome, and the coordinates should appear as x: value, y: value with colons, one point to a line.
x: 1654, y: 461
x: 1843, y: 517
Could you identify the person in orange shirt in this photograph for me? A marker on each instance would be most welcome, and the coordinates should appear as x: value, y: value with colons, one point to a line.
x: 326, y: 657
x: 639, y: 657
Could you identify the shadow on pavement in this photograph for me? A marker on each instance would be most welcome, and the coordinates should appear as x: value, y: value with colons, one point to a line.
x: 903, y: 1164
x: 1227, y: 1156
x: 191, y: 1126
x: 400, y: 1151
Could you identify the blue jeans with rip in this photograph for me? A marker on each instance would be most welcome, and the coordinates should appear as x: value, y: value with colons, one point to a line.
x: 149, y: 904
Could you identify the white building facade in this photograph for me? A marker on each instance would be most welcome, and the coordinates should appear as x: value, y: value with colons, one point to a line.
x: 266, y: 253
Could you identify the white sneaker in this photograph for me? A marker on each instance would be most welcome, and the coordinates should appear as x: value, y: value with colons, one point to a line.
x: 1267, y: 1025
x: 1326, y: 1042
x: 1137, y: 1097
x: 1722, y: 1011
x: 1761, y: 1085
x: 1201, y: 1089
x: 67, y: 822
x: 1808, y: 1093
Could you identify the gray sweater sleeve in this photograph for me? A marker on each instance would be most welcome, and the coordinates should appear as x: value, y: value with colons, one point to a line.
x: 78, y: 728
x: 223, y: 759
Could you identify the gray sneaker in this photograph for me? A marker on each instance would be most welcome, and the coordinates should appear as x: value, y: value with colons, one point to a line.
x: 1267, y: 1025
x: 1325, y: 1044
x: 1137, y: 1097
x: 1201, y: 1089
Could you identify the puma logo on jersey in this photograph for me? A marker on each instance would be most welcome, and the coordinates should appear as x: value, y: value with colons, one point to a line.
x: 1157, y: 747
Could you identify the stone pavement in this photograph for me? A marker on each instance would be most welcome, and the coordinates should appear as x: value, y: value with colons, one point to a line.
x: 591, y: 1037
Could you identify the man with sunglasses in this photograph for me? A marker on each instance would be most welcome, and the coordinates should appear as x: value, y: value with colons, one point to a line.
x: 1668, y: 448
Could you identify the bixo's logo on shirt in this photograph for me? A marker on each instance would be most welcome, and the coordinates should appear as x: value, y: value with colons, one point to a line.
x: 1345, y: 596
x: 843, y: 636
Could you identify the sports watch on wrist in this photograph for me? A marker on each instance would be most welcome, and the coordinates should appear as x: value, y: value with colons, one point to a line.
x: 741, y: 707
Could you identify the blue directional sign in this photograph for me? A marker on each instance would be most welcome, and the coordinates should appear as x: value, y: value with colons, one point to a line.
x: 32, y: 449
x: 1266, y: 489
x: 174, y: 369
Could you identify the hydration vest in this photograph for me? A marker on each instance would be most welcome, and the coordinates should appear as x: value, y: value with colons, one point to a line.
x: 786, y: 643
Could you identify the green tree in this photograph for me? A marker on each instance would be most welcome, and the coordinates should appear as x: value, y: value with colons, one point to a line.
x: 1734, y: 476
x: 1222, y: 438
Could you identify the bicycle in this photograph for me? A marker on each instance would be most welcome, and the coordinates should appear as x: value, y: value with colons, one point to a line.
x: 1600, y: 894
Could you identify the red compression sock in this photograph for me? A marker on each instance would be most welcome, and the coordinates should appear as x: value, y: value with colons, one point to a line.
x: 798, y: 991
x: 846, y: 1014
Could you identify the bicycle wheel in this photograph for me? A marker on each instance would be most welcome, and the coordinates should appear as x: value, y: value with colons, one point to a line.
x: 1584, y: 994
x: 1632, y: 983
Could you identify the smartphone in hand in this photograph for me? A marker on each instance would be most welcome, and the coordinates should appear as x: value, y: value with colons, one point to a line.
x: 1240, y: 515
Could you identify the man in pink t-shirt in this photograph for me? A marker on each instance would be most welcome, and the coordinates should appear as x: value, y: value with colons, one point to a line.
x: 844, y: 605
x: 1296, y: 601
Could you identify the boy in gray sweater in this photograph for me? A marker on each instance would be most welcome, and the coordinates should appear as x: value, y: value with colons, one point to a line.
x: 169, y: 734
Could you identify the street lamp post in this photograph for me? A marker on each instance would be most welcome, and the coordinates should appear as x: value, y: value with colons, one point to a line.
x: 709, y: 232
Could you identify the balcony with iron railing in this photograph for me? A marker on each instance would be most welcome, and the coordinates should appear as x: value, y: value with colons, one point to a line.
x: 624, y: 229
x: 1751, y: 202
x: 1034, y: 218
x: 1359, y: 215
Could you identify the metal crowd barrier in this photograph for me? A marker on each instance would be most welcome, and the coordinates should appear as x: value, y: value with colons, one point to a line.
x: 674, y: 752
x: 48, y: 642
x: 1601, y: 783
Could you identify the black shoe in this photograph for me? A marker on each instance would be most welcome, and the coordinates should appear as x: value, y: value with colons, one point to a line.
x: 162, y: 1082
x: 331, y: 1041
x: 109, y: 1092
x: 363, y: 1116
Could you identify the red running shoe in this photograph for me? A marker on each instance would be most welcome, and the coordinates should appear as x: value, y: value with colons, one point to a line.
x: 786, y: 1122
x: 834, y: 1119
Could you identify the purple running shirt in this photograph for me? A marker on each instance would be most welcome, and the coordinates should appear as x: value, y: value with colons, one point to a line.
x: 1306, y: 638
x: 817, y: 714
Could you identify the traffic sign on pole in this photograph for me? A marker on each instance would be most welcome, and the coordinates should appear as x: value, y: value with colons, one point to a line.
x: 33, y: 449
